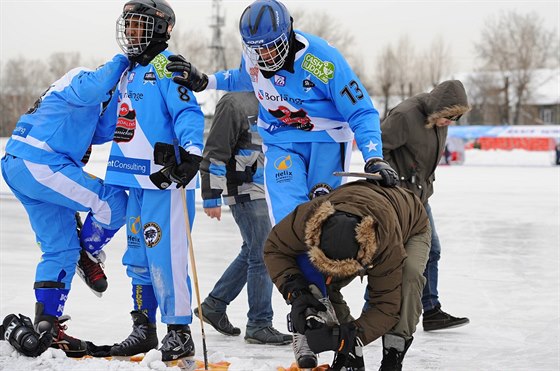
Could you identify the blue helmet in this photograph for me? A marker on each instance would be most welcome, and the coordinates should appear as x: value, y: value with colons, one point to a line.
x: 265, y: 28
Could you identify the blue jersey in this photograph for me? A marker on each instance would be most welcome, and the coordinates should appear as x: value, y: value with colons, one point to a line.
x: 69, y: 116
x: 152, y: 108
x: 321, y: 101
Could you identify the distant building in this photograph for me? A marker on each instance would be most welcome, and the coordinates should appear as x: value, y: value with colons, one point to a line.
x: 487, y: 96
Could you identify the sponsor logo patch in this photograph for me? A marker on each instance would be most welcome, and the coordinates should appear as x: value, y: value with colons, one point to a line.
x: 283, y: 164
x: 160, y: 64
x: 126, y: 124
x: 21, y: 130
x: 134, y: 227
x: 323, y: 70
x: 127, y: 165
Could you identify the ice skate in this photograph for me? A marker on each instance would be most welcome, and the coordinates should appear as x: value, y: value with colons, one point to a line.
x: 90, y: 269
x: 142, y: 339
x: 177, y: 344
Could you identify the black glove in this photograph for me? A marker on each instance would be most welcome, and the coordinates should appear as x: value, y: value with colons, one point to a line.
x: 304, y: 304
x: 339, y: 338
x: 19, y: 332
x: 191, y: 78
x: 389, y: 177
x: 296, y: 293
x: 182, y: 174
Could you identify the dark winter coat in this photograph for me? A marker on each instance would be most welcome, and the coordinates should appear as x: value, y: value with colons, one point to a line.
x: 412, y: 144
x: 389, y: 216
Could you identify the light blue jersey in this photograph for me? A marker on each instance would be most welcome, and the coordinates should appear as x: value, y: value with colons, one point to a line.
x: 321, y: 101
x: 308, y: 118
x: 43, y: 169
x: 152, y: 108
x: 61, y: 131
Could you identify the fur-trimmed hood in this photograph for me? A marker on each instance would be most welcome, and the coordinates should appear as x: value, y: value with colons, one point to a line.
x: 448, y: 99
x: 365, y: 236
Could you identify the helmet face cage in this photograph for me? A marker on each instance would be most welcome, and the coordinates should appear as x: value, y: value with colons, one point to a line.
x: 269, y: 56
x: 134, y: 32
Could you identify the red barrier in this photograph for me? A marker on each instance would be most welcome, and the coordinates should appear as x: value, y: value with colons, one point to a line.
x: 529, y: 144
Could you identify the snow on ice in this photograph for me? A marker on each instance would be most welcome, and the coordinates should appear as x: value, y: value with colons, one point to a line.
x: 499, y: 224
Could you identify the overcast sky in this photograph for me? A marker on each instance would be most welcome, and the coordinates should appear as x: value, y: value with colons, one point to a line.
x: 37, y: 28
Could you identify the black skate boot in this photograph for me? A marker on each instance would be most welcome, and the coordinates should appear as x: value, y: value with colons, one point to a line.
x: 394, y: 349
x: 436, y: 319
x: 177, y: 343
x: 218, y: 320
x: 142, y: 339
x: 305, y: 357
x: 73, y: 347
x: 90, y: 269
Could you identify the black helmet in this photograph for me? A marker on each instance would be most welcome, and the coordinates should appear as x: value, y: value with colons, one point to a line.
x: 144, y: 22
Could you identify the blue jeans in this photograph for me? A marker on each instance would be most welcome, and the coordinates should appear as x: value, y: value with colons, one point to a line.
x: 248, y: 267
x: 430, y: 294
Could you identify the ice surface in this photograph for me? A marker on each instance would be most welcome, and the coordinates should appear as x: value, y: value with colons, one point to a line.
x: 498, y: 221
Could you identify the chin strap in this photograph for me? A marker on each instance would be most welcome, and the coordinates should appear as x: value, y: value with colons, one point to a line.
x: 150, y: 53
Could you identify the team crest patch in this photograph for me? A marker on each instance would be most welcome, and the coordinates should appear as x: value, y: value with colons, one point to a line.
x: 323, y: 70
x: 308, y: 84
x: 279, y: 80
x: 160, y: 64
x: 319, y: 189
x: 152, y: 234
x: 150, y: 78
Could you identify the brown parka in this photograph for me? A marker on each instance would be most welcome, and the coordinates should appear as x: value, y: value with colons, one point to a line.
x: 412, y: 143
x: 389, y: 216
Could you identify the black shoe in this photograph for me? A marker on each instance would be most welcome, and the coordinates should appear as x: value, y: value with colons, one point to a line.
x: 142, y: 339
x: 177, y: 343
x: 266, y: 335
x: 90, y: 269
x: 219, y: 321
x: 436, y: 319
x: 394, y: 349
x: 73, y: 347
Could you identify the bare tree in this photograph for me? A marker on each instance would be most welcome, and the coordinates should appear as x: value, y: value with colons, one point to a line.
x: 516, y: 45
x: 59, y: 63
x: 386, y: 75
x: 22, y: 82
x: 404, y: 66
x: 437, y: 60
x: 327, y: 27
